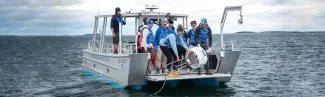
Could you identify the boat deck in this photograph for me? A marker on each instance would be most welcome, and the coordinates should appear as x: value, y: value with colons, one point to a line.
x: 157, y: 78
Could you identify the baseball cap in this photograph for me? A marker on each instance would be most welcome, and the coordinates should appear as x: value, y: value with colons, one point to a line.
x: 165, y: 22
x: 150, y: 22
x: 204, y: 20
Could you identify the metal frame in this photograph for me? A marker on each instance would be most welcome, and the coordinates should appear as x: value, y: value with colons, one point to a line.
x: 138, y: 16
x: 223, y: 20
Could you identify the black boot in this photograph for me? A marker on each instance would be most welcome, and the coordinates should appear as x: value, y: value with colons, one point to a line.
x: 163, y: 70
x: 199, y: 71
x: 207, y: 72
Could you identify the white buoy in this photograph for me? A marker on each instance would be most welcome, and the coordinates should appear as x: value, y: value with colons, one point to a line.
x: 197, y: 57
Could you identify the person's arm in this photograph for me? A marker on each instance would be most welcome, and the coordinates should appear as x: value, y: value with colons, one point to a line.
x: 172, y: 40
x: 124, y: 21
x: 155, y: 43
x: 145, y: 33
x: 189, y: 34
x: 210, y: 36
x: 197, y: 34
x: 112, y: 26
x: 180, y: 38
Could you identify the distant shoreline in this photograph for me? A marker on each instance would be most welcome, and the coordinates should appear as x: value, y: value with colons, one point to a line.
x: 282, y: 32
x: 241, y: 32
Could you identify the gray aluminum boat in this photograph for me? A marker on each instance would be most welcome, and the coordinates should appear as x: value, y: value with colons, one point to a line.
x: 129, y: 68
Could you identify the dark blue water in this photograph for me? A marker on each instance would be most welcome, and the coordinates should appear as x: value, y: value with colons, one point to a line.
x: 271, y: 64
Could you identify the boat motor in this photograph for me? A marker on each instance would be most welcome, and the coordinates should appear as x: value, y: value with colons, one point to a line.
x: 197, y: 57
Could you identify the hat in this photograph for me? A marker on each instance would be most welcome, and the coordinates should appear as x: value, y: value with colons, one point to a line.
x: 117, y: 9
x: 150, y: 22
x: 204, y: 21
x: 171, y: 22
x: 165, y: 22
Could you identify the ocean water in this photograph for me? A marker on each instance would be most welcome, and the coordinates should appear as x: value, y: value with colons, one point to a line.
x: 271, y: 64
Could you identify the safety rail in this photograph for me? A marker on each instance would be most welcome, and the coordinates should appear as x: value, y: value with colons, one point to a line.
x: 128, y: 48
x: 232, y: 44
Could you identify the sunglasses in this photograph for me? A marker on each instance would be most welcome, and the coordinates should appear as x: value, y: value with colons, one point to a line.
x: 193, y: 24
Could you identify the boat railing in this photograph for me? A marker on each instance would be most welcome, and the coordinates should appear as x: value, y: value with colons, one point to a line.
x: 94, y: 46
x: 127, y: 48
x: 232, y: 45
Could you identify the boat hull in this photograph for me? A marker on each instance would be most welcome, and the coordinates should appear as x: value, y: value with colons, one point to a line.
x: 117, y: 67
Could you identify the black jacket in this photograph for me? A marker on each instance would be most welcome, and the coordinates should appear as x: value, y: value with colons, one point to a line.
x: 197, y: 36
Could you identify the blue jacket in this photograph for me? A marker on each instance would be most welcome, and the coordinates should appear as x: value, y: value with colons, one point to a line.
x: 191, y: 35
x: 160, y: 34
x: 178, y: 43
x: 202, y: 35
x: 115, y: 20
x: 170, y: 41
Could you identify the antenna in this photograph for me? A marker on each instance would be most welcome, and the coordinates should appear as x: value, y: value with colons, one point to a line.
x: 97, y: 8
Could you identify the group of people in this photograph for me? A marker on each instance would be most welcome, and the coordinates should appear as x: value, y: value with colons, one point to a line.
x: 168, y: 43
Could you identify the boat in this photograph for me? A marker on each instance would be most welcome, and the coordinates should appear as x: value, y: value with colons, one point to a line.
x: 130, y: 68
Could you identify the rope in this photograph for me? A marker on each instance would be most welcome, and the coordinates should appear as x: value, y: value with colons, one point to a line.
x: 162, y: 85
x: 166, y: 75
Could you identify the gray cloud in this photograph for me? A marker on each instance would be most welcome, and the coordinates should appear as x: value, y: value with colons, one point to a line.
x: 36, y: 17
x: 24, y: 17
x: 38, y: 2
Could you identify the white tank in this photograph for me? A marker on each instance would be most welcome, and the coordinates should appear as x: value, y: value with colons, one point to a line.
x: 197, y: 57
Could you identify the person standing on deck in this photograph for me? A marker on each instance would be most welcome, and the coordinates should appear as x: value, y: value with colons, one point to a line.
x: 203, y: 38
x: 191, y: 35
x: 170, y: 41
x: 147, y: 37
x: 161, y: 32
x: 115, y: 20
x: 139, y: 38
x: 180, y: 49
x: 147, y: 41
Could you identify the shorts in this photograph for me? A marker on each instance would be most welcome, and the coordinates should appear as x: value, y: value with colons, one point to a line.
x: 116, y: 39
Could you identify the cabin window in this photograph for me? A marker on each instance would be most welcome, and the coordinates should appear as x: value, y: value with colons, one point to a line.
x: 94, y: 65
x: 107, y: 70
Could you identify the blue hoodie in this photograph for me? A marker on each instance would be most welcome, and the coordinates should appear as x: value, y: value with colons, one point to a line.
x: 183, y: 38
x: 170, y: 41
x: 160, y: 34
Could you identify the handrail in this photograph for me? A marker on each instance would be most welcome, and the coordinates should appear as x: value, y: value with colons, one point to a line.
x: 232, y: 45
x: 223, y: 20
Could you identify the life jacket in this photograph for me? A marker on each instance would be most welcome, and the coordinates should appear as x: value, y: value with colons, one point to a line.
x: 150, y: 38
x: 192, y: 38
x: 167, y: 42
x: 139, y: 40
x: 204, y: 34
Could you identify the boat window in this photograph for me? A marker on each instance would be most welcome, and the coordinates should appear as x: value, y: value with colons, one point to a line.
x: 94, y: 65
x: 107, y: 70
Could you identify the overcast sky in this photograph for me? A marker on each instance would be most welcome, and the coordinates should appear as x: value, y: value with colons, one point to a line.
x: 75, y: 17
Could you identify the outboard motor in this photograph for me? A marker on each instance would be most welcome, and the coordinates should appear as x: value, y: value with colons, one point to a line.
x: 197, y: 57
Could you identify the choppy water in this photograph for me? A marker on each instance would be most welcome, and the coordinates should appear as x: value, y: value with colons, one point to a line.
x: 271, y: 64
